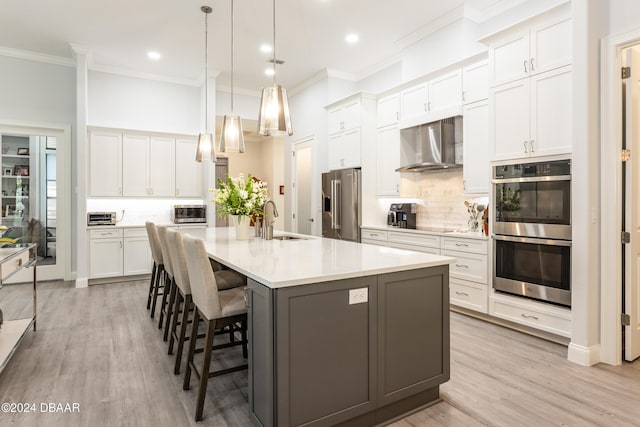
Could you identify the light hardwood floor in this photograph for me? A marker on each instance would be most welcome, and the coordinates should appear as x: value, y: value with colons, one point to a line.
x: 99, y: 348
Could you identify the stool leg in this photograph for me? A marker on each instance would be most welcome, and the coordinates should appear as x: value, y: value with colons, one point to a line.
x: 245, y: 352
x: 170, y: 309
x: 167, y: 290
x: 204, y: 373
x: 192, y: 349
x: 153, y: 279
x: 177, y: 302
x: 159, y: 274
x: 186, y: 306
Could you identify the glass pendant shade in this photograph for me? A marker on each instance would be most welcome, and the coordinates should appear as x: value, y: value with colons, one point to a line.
x: 205, y: 149
x: 231, y: 137
x: 274, y: 115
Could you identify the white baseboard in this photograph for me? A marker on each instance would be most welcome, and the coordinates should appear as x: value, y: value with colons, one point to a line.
x: 82, y: 282
x: 585, y: 356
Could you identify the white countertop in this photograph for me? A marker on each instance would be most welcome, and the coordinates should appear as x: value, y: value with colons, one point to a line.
x: 278, y: 264
x: 141, y: 225
x: 426, y: 230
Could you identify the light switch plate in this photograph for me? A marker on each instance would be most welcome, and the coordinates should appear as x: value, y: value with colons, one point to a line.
x: 358, y: 296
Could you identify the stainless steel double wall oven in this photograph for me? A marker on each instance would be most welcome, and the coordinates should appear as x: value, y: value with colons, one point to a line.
x: 532, y: 230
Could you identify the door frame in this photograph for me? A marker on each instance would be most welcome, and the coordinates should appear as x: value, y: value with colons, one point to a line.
x: 63, y: 188
x: 611, y: 179
x: 308, y: 141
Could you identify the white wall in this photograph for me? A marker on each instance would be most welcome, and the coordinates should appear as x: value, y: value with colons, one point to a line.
x: 382, y: 80
x: 37, y: 92
x: 449, y: 45
x: 245, y: 106
x: 623, y: 16
x: 132, y: 103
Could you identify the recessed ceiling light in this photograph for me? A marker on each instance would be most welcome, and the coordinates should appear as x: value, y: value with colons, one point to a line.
x: 265, y: 48
x: 269, y: 72
x: 153, y: 55
x: 352, y: 38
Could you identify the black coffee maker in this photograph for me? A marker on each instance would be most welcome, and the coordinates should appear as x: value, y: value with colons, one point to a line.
x: 402, y: 215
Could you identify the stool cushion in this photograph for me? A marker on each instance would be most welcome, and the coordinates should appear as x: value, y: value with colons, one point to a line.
x: 154, y: 242
x: 227, y: 279
x: 232, y: 302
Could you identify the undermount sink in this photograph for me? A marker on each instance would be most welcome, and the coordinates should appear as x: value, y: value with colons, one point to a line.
x: 288, y: 238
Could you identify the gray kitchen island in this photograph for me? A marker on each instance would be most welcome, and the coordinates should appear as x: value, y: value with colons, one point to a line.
x: 340, y: 333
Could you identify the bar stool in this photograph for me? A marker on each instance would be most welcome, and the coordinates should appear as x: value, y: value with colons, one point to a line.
x: 170, y: 286
x: 216, y: 308
x: 225, y: 279
x: 158, y: 267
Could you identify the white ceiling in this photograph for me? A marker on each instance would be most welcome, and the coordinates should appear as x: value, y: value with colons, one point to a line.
x: 310, y: 34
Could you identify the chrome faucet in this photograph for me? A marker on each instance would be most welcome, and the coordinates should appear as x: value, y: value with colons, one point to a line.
x: 267, y: 231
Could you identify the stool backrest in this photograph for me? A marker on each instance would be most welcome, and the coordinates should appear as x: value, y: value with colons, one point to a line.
x: 179, y: 260
x: 154, y: 242
x: 204, y: 289
x: 166, y: 256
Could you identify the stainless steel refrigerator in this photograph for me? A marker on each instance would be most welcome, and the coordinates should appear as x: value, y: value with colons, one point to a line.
x: 341, y: 204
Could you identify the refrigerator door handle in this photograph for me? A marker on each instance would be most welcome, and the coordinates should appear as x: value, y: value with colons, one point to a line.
x: 336, y: 190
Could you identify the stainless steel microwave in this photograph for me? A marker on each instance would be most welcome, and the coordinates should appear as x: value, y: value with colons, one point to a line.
x: 181, y: 214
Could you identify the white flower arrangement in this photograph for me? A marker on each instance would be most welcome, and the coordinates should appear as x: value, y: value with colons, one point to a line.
x: 238, y: 196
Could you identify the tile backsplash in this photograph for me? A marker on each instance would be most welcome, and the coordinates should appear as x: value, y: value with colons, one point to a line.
x: 441, y: 199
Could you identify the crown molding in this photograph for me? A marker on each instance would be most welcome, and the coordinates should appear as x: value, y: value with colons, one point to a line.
x: 317, y: 77
x: 435, y: 25
x: 370, y: 71
x: 37, y: 57
x: 498, y: 7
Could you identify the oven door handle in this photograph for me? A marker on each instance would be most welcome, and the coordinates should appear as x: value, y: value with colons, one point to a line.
x: 532, y: 179
x: 550, y: 242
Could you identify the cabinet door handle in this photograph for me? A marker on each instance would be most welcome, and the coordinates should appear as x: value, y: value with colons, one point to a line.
x: 397, y: 115
x: 464, y: 95
x: 531, y: 146
x: 108, y: 233
x: 528, y: 317
x: 462, y: 293
x: 525, y: 147
x: 425, y: 107
x: 177, y: 191
x: 429, y: 106
x: 462, y: 266
x: 397, y: 188
x: 120, y: 245
x: 464, y: 185
x: 462, y: 244
x: 532, y: 64
x: 525, y: 66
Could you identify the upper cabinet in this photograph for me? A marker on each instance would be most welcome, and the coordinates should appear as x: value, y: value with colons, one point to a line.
x: 530, y: 50
x: 105, y: 164
x: 351, y: 123
x: 138, y: 165
x: 475, y: 82
x: 476, y: 153
x: 388, y: 110
x: 148, y: 168
x: 530, y: 99
x: 435, y: 99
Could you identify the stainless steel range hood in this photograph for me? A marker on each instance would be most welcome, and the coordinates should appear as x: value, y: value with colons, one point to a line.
x: 431, y: 146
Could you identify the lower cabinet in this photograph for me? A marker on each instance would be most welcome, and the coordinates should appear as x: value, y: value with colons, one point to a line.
x: 545, y: 317
x: 368, y: 361
x: 137, y: 252
x: 106, y: 253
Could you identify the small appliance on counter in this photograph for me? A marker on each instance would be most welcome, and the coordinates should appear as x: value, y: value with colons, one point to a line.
x: 101, y: 218
x: 402, y: 215
x: 190, y: 214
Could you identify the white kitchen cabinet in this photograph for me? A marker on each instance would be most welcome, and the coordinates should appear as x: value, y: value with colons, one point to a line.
x: 475, y: 82
x: 542, y: 46
x: 419, y: 242
x: 344, y: 117
x: 476, y: 170
x: 436, y: 99
x: 105, y: 164
x: 533, y: 116
x: 545, y: 317
x: 344, y: 150
x: 388, y: 160
x: 105, y: 253
x: 373, y: 237
x: 388, y: 111
x: 148, y: 166
x: 469, y: 275
x: 351, y: 123
x: 188, y: 171
x: 137, y: 252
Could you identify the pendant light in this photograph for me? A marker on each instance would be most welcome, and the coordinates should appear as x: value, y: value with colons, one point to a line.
x: 274, y: 115
x: 206, y: 149
x: 231, y: 137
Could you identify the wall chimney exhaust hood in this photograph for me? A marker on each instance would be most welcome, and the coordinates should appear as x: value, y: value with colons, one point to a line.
x: 431, y: 146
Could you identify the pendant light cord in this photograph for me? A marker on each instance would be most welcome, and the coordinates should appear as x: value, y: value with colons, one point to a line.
x: 206, y: 11
x: 232, y: 57
x: 274, y: 42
